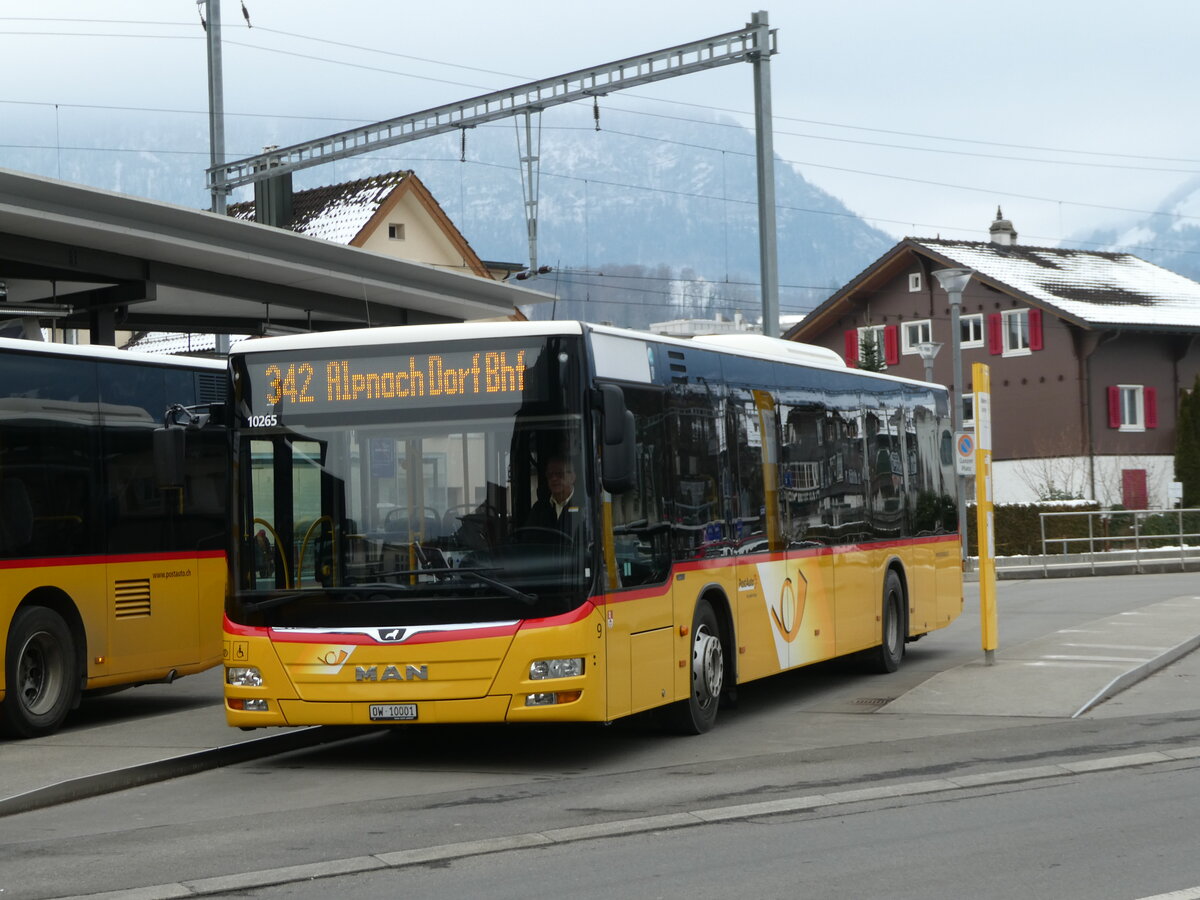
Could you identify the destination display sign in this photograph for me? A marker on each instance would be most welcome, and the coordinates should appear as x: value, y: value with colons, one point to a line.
x: 440, y: 378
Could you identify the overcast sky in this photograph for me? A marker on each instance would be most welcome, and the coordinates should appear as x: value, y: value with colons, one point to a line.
x: 921, y: 116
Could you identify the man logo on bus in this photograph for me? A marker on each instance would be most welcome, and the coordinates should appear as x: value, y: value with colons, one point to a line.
x: 791, y: 607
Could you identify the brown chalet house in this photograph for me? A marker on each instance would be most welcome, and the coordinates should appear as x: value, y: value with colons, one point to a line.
x: 1088, y: 355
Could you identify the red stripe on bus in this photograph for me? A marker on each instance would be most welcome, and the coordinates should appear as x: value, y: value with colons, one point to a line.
x: 431, y: 637
x: 578, y: 614
x: 339, y: 637
x: 46, y: 562
x: 725, y: 562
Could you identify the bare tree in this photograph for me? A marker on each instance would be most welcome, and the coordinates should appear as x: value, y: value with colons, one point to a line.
x: 1056, y: 471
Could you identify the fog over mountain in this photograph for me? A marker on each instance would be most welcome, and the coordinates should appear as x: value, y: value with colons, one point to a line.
x: 1169, y: 237
x: 646, y: 219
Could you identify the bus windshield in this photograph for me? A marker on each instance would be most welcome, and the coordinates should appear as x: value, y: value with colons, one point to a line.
x: 363, y: 508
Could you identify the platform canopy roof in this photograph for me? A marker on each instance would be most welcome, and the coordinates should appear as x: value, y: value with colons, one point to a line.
x: 84, y: 258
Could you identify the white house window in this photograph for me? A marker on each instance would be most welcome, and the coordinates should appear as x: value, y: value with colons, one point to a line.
x: 873, y: 334
x: 396, y: 231
x: 971, y: 331
x: 1133, y: 407
x: 1015, y: 325
x: 915, y: 334
x: 914, y: 282
x: 968, y: 410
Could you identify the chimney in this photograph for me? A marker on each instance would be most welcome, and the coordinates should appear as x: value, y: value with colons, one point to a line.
x: 273, y: 196
x: 1003, y: 233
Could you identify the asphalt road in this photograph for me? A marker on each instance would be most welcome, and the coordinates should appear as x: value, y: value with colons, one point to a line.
x: 1120, y: 836
x: 816, y: 733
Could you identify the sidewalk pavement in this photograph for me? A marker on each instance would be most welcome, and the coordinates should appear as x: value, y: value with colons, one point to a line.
x: 1065, y: 673
x: 112, y: 744
x: 118, y: 749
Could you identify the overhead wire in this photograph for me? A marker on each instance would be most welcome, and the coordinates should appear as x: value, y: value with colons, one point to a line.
x: 706, y: 107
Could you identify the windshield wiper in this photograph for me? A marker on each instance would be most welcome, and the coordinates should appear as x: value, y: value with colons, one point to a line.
x: 442, y: 573
x: 275, y: 600
x: 507, y: 589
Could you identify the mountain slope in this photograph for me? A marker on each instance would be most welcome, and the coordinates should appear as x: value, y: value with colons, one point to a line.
x: 670, y: 205
x: 1170, y: 237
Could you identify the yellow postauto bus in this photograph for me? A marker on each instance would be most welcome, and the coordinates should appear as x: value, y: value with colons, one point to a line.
x: 106, y: 580
x: 556, y: 521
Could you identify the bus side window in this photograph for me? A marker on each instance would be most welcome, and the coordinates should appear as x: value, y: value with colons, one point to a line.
x: 16, y: 516
x: 640, y: 531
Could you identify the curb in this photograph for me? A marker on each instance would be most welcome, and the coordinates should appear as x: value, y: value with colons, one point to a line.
x: 1128, y: 679
x: 162, y: 770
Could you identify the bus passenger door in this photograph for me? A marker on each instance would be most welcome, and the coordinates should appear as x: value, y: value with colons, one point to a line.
x: 153, y: 571
x: 846, y: 512
x: 636, y: 557
x: 803, y: 614
x: 771, y: 591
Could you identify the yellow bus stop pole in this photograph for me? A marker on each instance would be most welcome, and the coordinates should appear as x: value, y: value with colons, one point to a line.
x: 985, y: 526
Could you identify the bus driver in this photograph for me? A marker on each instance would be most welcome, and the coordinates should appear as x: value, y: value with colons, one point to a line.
x: 560, y: 511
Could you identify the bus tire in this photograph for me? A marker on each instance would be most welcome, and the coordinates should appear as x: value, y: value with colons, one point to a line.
x: 41, y: 673
x: 886, y: 657
x: 698, y: 713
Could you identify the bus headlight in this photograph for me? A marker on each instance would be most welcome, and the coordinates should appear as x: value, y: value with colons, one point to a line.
x: 552, y: 699
x: 243, y: 676
x: 541, y: 669
x: 247, y: 705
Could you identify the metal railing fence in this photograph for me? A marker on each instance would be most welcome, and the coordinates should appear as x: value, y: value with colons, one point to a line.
x: 1123, y: 530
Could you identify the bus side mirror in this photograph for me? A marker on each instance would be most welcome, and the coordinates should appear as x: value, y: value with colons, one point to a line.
x: 170, y: 441
x: 618, y: 457
x: 169, y: 446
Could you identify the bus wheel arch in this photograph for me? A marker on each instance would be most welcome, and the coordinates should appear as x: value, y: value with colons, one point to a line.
x: 44, y: 664
x: 893, y: 620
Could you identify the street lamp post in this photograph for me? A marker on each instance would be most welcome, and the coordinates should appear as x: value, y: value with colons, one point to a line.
x: 928, y: 350
x: 953, y: 282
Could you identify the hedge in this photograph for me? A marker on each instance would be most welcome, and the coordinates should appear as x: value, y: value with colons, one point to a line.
x: 1019, y: 531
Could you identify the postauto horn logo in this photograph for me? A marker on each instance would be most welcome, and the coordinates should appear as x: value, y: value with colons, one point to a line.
x: 790, y: 610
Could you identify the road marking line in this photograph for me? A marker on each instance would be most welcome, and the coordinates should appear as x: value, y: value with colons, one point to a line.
x: 1073, y: 665
x: 1113, y: 659
x: 1185, y: 894
x: 445, y: 852
x: 1119, y: 647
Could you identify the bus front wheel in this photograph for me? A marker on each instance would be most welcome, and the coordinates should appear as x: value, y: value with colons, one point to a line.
x: 698, y: 713
x: 41, y: 673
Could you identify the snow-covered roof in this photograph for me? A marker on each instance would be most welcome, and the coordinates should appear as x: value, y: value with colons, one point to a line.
x: 171, y: 343
x: 1098, y: 288
x: 336, y: 212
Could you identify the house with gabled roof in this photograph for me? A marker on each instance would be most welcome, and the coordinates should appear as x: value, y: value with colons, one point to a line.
x: 1089, y: 353
x: 393, y: 214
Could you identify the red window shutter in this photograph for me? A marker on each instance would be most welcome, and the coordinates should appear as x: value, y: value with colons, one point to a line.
x: 851, y: 353
x: 995, y: 334
x: 1150, y: 402
x: 891, y: 345
x: 1114, y: 407
x: 1035, y: 329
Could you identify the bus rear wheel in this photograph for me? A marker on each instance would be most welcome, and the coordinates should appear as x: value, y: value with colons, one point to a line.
x: 886, y: 657
x: 698, y: 713
x: 41, y: 673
